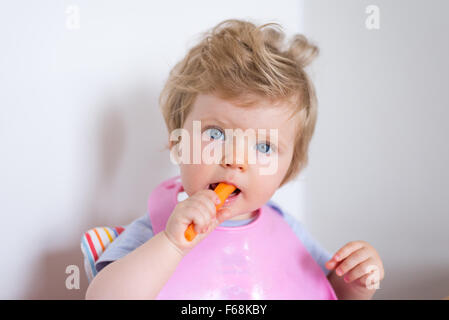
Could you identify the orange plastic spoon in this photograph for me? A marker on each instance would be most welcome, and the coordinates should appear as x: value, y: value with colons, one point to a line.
x: 223, y: 191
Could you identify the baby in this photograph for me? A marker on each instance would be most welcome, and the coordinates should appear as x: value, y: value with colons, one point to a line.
x: 238, y: 77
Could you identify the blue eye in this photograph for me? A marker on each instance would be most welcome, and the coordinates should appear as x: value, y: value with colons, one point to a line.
x: 266, y: 148
x: 215, y: 133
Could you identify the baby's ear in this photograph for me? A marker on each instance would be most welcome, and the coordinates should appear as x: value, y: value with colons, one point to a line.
x: 169, y: 145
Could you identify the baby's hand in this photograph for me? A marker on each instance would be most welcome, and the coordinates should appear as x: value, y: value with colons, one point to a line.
x: 359, y: 261
x: 199, y: 209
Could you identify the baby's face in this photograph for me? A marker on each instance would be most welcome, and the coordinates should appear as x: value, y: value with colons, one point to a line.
x: 256, y: 188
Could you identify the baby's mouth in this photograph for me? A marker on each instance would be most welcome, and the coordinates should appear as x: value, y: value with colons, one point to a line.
x: 212, y: 187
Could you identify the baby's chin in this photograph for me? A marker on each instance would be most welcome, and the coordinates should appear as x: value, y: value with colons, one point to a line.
x: 240, y: 211
x: 243, y: 216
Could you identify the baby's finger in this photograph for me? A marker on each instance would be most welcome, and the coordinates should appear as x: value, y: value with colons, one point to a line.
x: 371, y: 280
x: 212, y: 195
x: 214, y: 223
x: 203, y: 206
x: 360, y: 270
x: 331, y: 264
x: 208, y: 220
x: 198, y: 215
x: 347, y: 249
x: 223, y: 214
x: 208, y: 202
x: 350, y: 262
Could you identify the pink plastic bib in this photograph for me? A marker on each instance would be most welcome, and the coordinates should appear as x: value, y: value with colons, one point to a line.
x: 261, y: 260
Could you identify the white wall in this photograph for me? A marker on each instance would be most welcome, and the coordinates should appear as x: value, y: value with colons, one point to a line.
x: 379, y: 159
x: 80, y: 128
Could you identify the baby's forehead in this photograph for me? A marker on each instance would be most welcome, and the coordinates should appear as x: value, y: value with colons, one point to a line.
x: 246, y: 120
x: 261, y: 115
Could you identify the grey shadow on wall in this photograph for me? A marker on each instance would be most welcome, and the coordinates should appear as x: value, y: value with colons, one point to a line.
x: 129, y: 136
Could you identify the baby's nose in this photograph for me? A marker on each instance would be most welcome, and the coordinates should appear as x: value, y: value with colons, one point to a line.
x: 238, y: 159
x: 241, y: 167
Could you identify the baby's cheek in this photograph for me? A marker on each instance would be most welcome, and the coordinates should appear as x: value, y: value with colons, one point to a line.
x: 259, y: 195
x: 190, y: 178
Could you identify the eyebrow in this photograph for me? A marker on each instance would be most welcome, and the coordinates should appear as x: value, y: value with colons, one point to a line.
x: 217, y: 120
x: 280, y: 140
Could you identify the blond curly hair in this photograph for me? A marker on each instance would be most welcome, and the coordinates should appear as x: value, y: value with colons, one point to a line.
x: 244, y: 63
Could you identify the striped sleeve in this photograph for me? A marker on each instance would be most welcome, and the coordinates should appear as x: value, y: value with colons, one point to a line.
x: 93, y: 243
